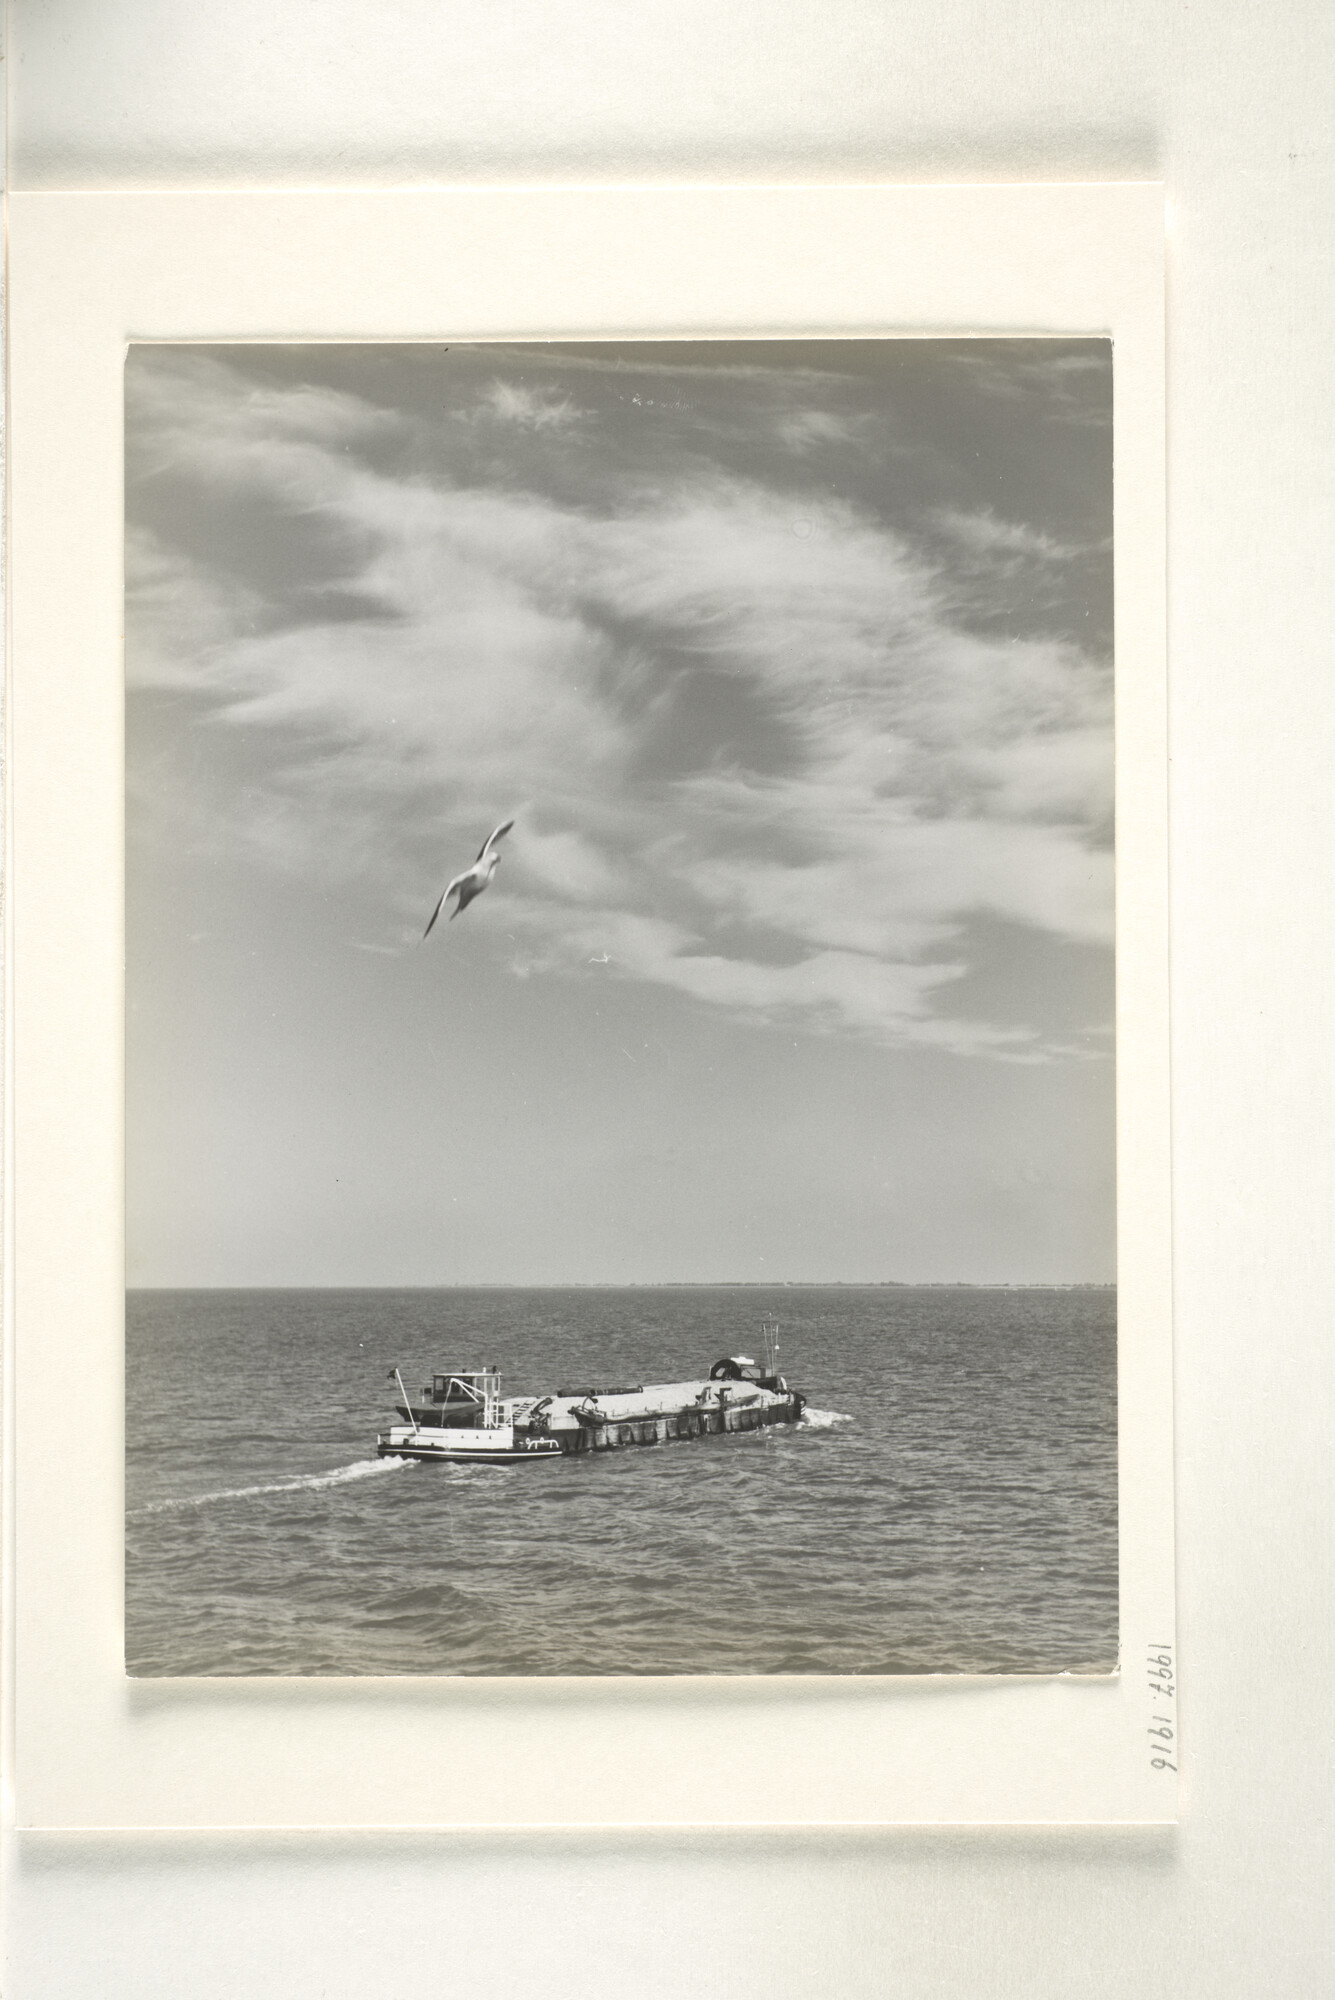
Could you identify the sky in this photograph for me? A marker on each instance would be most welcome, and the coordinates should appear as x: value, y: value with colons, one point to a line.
x: 792, y: 662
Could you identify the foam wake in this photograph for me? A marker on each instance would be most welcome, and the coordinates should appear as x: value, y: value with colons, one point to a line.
x: 364, y: 1468
x: 823, y: 1420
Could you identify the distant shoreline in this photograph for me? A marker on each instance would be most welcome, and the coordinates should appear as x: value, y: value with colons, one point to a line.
x: 689, y: 1285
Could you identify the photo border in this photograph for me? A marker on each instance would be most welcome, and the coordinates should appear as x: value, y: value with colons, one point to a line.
x: 92, y: 272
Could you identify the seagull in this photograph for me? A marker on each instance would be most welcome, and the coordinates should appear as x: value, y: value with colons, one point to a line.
x: 473, y: 880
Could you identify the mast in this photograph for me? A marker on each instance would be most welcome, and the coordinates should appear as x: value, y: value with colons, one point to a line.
x: 769, y: 1329
x: 407, y: 1403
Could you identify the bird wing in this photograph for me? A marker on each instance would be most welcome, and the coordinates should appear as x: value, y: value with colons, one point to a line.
x: 445, y: 895
x: 492, y: 838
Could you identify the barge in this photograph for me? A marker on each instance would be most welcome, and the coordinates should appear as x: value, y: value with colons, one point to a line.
x: 462, y: 1417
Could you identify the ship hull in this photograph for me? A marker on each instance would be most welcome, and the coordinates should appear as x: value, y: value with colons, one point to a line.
x: 472, y: 1447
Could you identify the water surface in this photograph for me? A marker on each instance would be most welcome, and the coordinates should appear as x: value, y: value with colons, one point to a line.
x: 948, y: 1506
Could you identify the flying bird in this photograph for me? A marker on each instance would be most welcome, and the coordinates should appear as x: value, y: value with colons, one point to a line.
x: 473, y: 880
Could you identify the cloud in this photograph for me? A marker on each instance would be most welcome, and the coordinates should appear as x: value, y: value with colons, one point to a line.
x: 804, y: 430
x: 754, y: 756
x: 202, y: 418
x: 900, y: 891
x: 1067, y: 383
x: 181, y: 611
x: 566, y: 863
x: 828, y: 991
x: 984, y: 533
x: 529, y: 409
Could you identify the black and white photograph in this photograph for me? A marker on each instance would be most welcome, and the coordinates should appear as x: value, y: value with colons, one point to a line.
x: 620, y: 1158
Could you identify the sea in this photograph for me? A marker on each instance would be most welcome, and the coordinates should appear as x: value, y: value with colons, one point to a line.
x: 948, y: 1504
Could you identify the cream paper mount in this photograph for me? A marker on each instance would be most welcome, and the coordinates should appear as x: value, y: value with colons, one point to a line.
x: 92, y: 272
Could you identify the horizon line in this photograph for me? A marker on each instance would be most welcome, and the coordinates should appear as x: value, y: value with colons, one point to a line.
x: 674, y: 1284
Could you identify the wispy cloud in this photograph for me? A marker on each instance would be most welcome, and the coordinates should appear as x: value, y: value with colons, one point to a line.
x: 1073, y: 387
x: 985, y: 533
x: 805, y: 430
x: 530, y: 409
x: 756, y: 759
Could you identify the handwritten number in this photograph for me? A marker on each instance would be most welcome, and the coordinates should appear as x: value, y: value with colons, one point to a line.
x: 1160, y: 1728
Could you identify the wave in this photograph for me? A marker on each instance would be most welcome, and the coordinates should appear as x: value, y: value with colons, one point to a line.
x: 363, y: 1468
x: 823, y: 1420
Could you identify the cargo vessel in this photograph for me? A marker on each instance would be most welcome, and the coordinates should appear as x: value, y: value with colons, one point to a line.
x: 461, y: 1416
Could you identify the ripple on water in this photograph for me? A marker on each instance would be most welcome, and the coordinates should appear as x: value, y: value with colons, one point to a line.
x: 947, y: 1505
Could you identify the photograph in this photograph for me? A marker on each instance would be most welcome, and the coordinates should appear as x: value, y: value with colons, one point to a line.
x: 620, y: 989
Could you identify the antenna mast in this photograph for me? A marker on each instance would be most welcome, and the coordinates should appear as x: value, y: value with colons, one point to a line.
x: 770, y: 1329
